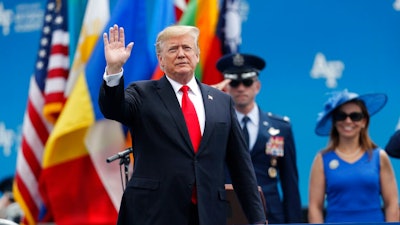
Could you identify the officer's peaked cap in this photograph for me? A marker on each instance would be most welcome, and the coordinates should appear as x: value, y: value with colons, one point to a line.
x: 239, y: 66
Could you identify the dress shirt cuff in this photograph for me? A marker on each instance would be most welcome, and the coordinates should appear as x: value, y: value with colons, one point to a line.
x: 112, y: 80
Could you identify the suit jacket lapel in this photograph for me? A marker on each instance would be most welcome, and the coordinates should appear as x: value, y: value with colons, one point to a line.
x: 263, y: 134
x: 209, y: 108
x: 167, y: 95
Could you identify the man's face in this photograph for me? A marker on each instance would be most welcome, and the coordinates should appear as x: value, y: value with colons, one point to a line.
x: 244, y: 91
x: 179, y: 56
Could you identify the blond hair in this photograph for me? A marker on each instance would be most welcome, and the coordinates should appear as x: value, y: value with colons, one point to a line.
x: 175, y: 31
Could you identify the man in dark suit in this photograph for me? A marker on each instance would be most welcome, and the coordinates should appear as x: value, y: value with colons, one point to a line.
x: 178, y: 175
x: 270, y: 138
x: 393, y: 146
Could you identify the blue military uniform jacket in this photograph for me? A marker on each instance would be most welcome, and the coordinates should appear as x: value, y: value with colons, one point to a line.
x: 277, y: 175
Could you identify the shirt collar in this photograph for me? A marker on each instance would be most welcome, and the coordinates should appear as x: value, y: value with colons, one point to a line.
x: 253, y: 115
x: 194, y: 87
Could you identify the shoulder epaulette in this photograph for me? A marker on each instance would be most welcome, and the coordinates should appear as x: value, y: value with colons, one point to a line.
x: 277, y: 117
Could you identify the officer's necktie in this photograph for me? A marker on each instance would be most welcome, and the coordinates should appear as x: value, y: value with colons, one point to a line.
x: 192, y: 123
x: 245, y: 131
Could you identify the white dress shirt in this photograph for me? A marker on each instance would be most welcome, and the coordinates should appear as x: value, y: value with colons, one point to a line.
x: 195, y: 96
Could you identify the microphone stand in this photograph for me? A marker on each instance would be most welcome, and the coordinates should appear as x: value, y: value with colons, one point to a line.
x: 124, y: 160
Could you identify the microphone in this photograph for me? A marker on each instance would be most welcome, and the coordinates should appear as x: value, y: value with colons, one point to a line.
x: 120, y: 155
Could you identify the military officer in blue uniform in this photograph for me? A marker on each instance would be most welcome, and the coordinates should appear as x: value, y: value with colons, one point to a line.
x: 270, y: 138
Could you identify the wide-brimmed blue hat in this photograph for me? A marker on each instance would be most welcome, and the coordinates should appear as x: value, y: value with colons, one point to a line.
x: 373, y: 102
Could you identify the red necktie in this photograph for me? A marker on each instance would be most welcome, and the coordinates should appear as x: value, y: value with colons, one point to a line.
x: 192, y: 122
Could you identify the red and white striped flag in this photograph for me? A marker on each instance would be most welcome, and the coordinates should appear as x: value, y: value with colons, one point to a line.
x: 58, y: 65
x: 46, y: 85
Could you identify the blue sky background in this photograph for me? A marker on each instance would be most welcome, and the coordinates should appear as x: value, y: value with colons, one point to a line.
x: 363, y: 35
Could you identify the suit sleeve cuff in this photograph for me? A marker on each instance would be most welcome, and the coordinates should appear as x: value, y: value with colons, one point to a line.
x: 112, y: 80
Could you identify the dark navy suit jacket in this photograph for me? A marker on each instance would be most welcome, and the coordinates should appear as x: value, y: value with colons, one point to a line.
x: 165, y: 165
x: 393, y: 146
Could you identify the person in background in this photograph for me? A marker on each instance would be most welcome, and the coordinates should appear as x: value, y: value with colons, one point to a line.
x: 393, y: 146
x: 9, y: 208
x: 352, y: 173
x: 270, y: 138
x: 179, y: 174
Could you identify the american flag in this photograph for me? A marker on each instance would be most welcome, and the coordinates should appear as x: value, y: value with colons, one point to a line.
x: 58, y: 64
x: 50, y: 75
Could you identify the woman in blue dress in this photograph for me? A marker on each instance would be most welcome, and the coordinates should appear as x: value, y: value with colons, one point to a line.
x: 352, y: 174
